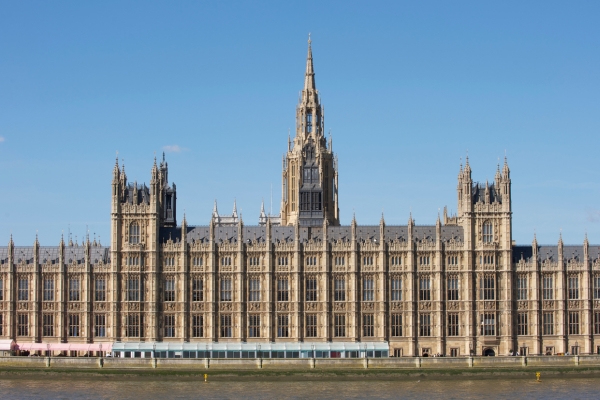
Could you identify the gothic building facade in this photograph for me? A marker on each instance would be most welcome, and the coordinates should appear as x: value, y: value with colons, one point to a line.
x: 458, y: 287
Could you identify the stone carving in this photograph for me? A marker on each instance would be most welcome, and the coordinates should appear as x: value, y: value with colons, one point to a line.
x: 489, y: 305
x: 197, y: 306
x: 254, y: 306
x: 397, y: 306
x: 522, y: 305
x: 368, y: 306
x: 548, y: 304
x: 453, y: 305
x: 283, y: 307
x: 312, y: 306
x: 425, y: 305
x: 74, y: 306
x: 573, y: 304
x: 339, y: 306
x: 47, y: 306
x: 226, y: 307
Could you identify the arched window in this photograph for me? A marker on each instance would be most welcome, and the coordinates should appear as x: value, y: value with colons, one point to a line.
x: 134, y: 233
x: 488, y: 232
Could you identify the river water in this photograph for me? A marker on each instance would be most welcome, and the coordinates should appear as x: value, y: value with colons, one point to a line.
x: 106, y: 387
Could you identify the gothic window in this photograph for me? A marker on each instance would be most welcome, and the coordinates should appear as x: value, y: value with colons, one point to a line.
x: 48, y: 289
x: 307, y: 174
x: 254, y: 289
x: 282, y: 289
x: 396, y: 260
x: 340, y: 260
x: 488, y: 232
x: 548, y: 322
x: 573, y: 322
x: 74, y: 289
x: 197, y: 289
x: 226, y: 330
x: 339, y: 325
x: 522, y: 287
x: 311, y: 289
x: 368, y: 289
x: 368, y: 325
x: 547, y: 287
x: 596, y: 323
x: 48, y: 325
x: 22, y: 325
x: 425, y: 288
x: 315, y: 175
x: 316, y: 201
x: 170, y: 325
x: 197, y: 261
x: 308, y: 123
x: 596, y: 287
x: 396, y: 325
x: 100, y: 289
x: 396, y: 289
x: 74, y: 325
x: 453, y: 287
x: 1, y: 290
x: 170, y: 289
x: 424, y: 260
x: 425, y: 324
x: 226, y: 289
x: 197, y: 326
x: 283, y: 328
x: 134, y: 233
x: 488, y: 324
x: 100, y: 325
x: 23, y: 294
x: 311, y: 325
x: 453, y: 324
x: 254, y: 325
x: 339, y: 293
x: 133, y: 289
x: 487, y: 287
x: 522, y: 323
x: 305, y: 201
x: 573, y: 287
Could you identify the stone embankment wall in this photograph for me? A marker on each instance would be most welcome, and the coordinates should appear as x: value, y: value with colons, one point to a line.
x: 430, y: 363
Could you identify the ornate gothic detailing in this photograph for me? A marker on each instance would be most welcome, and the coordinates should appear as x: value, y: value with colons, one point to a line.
x: 22, y: 306
x: 312, y: 306
x: 548, y: 304
x: 453, y: 305
x: 523, y: 305
x: 489, y: 305
x: 281, y: 306
x: 397, y: 306
x: 73, y: 306
x: 254, y: 306
x: 574, y: 304
x: 339, y: 306
x: 424, y: 305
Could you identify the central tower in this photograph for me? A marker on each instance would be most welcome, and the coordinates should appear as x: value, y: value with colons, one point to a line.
x: 309, y: 178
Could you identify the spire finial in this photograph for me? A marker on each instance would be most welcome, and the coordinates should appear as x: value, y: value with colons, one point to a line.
x: 309, y: 78
x: 309, y: 41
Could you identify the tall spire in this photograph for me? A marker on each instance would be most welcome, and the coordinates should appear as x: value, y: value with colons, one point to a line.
x: 309, y: 78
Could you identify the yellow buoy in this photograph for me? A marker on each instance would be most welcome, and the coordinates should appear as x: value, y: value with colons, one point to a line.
x: 205, y: 377
x: 538, y: 375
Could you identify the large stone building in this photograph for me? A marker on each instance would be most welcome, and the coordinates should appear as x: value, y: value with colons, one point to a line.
x: 458, y: 287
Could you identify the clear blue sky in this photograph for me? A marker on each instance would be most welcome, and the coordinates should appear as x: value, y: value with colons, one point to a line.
x: 408, y: 89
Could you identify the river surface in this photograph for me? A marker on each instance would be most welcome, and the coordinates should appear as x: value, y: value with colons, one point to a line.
x: 68, y: 387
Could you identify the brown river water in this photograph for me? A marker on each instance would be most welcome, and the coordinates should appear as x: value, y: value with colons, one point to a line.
x: 69, y: 387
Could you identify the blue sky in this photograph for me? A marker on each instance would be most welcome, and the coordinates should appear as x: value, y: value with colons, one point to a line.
x: 408, y: 88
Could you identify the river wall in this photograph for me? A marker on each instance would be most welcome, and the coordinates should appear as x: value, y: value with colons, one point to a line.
x: 431, y: 363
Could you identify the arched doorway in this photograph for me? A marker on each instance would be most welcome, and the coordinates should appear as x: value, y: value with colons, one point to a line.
x: 489, y: 353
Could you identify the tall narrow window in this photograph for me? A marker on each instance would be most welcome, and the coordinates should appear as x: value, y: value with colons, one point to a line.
x: 573, y: 322
x: 254, y: 289
x: 73, y: 325
x: 1, y: 289
x: 596, y: 287
x: 548, y: 323
x: 311, y: 325
x: 134, y: 233
x: 48, y: 325
x: 254, y: 326
x: 453, y: 287
x: 488, y: 325
x: 74, y: 289
x: 339, y: 293
x: 48, y: 289
x: 133, y: 289
x: 100, y: 289
x: 522, y: 287
x: 424, y: 324
x: 197, y: 289
x: 368, y: 325
x: 170, y: 289
x: 309, y: 123
x: 282, y: 289
x: 368, y: 289
x: 522, y: 323
x: 22, y: 325
x: 573, y: 287
x: 170, y: 325
x: 596, y: 323
x: 396, y: 284
x: 283, y: 328
x: 311, y: 289
x: 197, y: 325
x: 23, y: 294
x: 396, y: 324
x: 425, y: 288
x: 100, y: 325
x: 547, y: 287
x: 316, y: 199
x: 339, y: 325
x: 488, y: 287
x: 226, y: 330
x: 453, y: 324
x: 132, y: 328
x: 488, y: 232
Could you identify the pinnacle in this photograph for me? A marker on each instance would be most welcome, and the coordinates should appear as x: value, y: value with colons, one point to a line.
x: 309, y: 78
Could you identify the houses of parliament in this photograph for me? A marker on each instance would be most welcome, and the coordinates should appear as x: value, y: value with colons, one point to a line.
x: 457, y: 287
